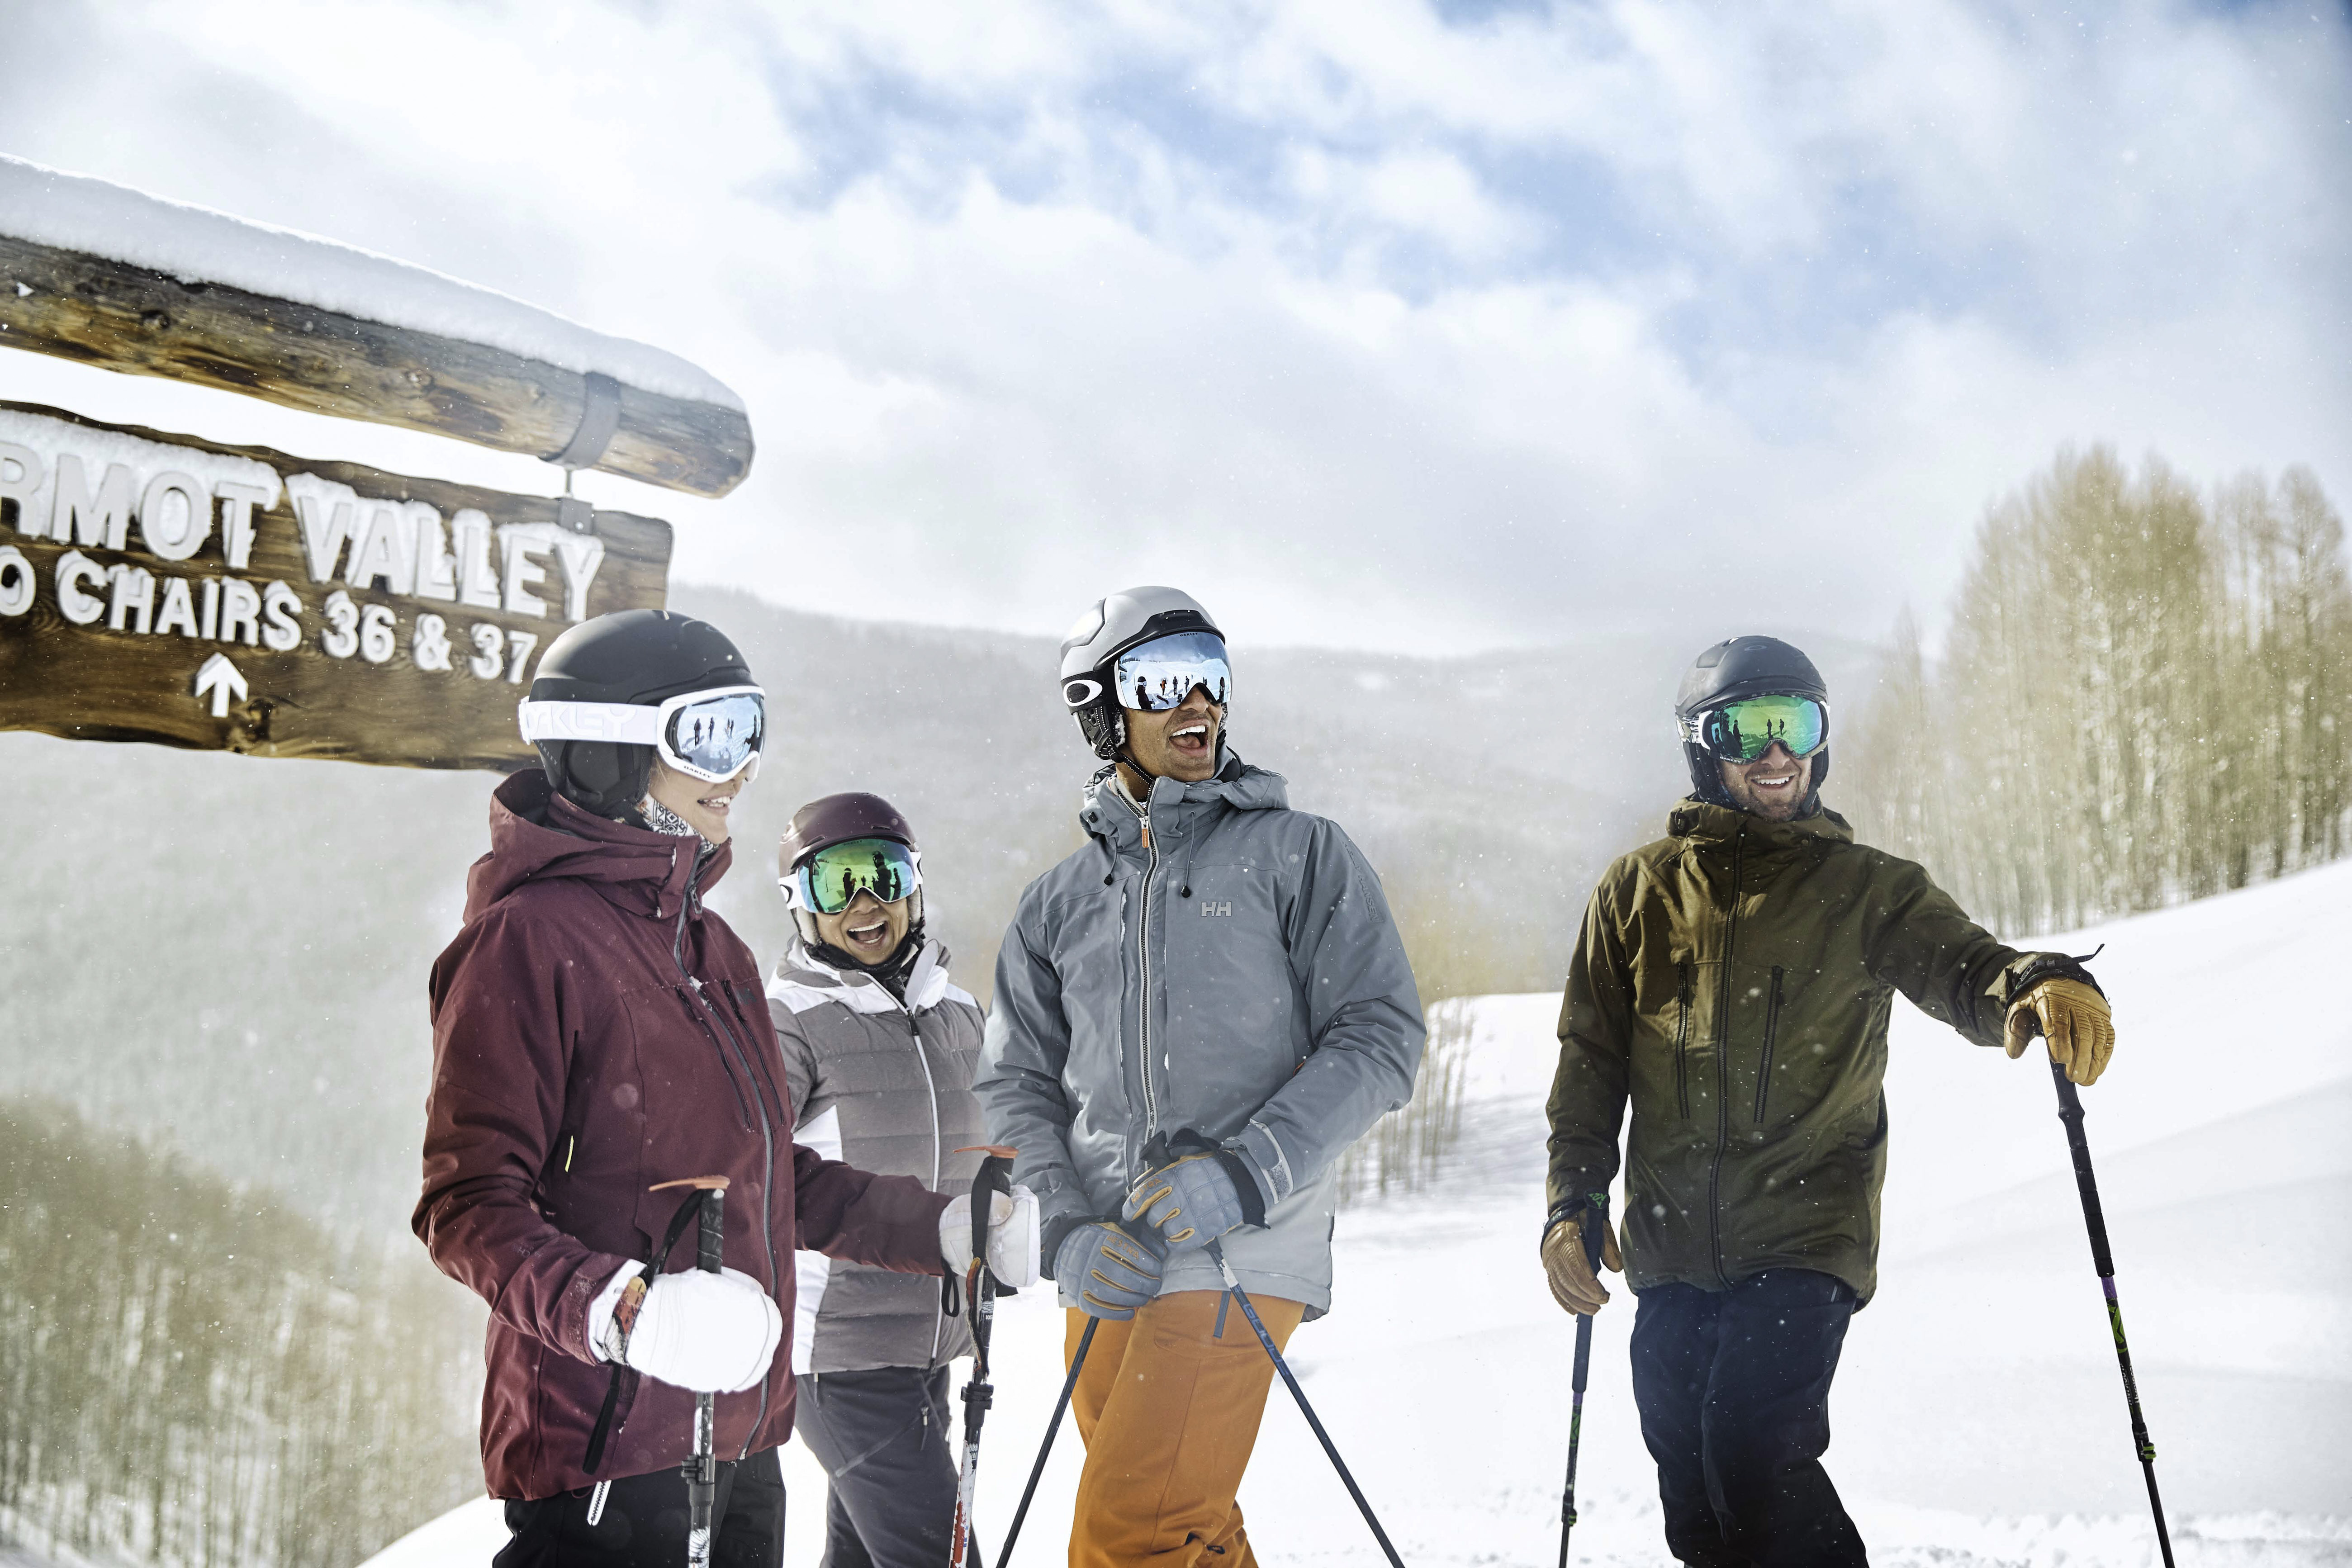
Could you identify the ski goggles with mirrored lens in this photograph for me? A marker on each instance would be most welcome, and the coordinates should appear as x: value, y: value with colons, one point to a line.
x: 830, y: 880
x: 1156, y: 676
x: 711, y: 735
x: 1744, y: 731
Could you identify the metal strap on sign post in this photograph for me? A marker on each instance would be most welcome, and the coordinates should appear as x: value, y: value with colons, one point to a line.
x: 600, y: 418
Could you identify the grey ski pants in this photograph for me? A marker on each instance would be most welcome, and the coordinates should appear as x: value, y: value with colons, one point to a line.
x: 882, y: 1437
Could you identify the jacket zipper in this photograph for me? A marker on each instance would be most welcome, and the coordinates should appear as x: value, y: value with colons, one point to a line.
x: 1723, y: 1066
x: 1682, y: 1036
x: 1143, y: 956
x: 939, y: 1157
x: 767, y: 1134
x: 1771, y: 1032
x: 939, y: 1145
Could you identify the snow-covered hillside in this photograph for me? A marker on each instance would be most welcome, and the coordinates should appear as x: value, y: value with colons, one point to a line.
x: 1979, y: 1416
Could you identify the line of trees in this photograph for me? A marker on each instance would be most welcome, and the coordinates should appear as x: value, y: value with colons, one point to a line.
x: 192, y: 1376
x: 2144, y: 696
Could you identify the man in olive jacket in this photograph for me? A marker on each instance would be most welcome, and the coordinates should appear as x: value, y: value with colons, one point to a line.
x: 1733, y: 980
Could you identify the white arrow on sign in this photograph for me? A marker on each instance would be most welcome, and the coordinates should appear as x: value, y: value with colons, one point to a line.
x: 221, y: 680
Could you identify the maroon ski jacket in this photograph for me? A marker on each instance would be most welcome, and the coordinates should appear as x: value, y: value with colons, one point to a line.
x: 595, y: 1030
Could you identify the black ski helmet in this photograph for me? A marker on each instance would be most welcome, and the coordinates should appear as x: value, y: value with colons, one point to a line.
x: 1109, y: 627
x: 638, y: 658
x: 1734, y: 668
x: 839, y: 819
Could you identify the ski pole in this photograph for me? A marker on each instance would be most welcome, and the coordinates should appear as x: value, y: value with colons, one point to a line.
x: 994, y: 1175
x: 1086, y: 1340
x: 2069, y: 1111
x: 1598, y: 1204
x: 701, y: 1469
x: 1217, y: 1254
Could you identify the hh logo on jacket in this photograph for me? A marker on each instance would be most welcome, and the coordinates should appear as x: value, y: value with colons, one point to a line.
x: 1214, y: 907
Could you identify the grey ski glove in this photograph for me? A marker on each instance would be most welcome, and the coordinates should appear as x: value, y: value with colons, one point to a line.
x: 1106, y: 1271
x: 1197, y: 1198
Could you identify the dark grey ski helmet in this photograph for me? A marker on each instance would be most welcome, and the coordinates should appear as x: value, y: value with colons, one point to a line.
x: 636, y: 658
x: 1734, y: 668
x: 1110, y: 627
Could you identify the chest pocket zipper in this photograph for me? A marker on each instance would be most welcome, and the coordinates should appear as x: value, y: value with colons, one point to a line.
x: 1771, y: 1032
x: 742, y: 1107
x: 1682, y: 1036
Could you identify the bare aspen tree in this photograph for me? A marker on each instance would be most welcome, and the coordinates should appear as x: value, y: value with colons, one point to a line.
x: 2143, y: 698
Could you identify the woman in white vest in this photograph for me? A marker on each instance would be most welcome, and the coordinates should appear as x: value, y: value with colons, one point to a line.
x: 878, y: 1049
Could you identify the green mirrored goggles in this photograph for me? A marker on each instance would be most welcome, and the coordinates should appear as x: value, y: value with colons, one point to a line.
x: 1743, y: 731
x: 830, y: 880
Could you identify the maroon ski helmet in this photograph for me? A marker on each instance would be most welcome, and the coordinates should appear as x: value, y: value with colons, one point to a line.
x: 837, y: 819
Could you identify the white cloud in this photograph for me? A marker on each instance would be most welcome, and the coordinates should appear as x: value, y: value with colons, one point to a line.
x: 1369, y: 327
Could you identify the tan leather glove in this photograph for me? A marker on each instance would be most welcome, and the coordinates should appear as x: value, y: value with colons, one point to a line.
x: 2073, y: 1018
x: 1573, y: 1282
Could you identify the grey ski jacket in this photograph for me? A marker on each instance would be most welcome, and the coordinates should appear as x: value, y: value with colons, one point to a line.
x: 886, y: 1087
x: 1237, y: 973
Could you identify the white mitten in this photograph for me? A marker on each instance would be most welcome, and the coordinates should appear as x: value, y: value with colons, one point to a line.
x: 712, y: 1333
x: 1012, y: 1236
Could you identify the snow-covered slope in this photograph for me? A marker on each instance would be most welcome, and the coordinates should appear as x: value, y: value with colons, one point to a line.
x: 1979, y: 1416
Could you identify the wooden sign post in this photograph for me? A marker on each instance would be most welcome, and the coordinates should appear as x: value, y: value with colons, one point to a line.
x: 155, y: 587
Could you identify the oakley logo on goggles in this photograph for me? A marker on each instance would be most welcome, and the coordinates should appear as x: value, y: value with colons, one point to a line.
x: 1156, y: 676
x: 1744, y: 731
x: 711, y: 735
x: 830, y: 880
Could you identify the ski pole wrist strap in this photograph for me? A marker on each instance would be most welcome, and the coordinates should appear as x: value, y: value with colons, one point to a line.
x: 621, y: 1370
x: 1567, y: 1208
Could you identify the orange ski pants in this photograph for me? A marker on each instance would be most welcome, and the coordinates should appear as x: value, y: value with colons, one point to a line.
x: 1169, y: 1410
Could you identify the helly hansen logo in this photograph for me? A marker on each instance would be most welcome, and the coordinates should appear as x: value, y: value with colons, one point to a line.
x: 1209, y: 907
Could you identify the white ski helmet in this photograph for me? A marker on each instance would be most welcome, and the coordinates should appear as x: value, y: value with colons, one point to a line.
x: 1109, y: 627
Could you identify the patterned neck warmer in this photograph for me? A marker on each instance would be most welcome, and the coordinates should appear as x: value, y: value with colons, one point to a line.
x: 662, y: 819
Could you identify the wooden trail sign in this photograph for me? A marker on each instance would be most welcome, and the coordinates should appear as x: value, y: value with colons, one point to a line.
x: 116, y: 277
x: 156, y: 588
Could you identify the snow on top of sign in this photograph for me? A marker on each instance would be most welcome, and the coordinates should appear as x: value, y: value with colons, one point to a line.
x: 74, y: 212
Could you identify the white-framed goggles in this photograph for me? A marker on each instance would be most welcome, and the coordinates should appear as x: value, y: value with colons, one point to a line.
x: 829, y: 880
x: 711, y: 735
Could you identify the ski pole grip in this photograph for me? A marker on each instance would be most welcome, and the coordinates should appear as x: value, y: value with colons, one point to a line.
x: 2095, y: 1216
x: 710, y: 1219
x: 1594, y: 1233
x: 994, y: 1175
x: 710, y: 1237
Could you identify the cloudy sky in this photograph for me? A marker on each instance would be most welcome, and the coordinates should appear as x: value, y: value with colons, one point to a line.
x: 1374, y: 321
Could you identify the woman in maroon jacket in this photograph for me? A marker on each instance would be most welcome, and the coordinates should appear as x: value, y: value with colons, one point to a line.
x: 597, y: 1031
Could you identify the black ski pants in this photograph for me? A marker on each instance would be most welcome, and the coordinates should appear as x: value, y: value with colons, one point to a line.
x: 644, y: 1522
x: 882, y: 1437
x: 1734, y: 1389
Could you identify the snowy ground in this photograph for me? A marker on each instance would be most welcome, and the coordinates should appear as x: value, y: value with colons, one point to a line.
x: 1979, y: 1416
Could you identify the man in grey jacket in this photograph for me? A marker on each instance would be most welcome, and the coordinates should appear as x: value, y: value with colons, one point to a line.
x: 1214, y: 964
x: 879, y: 1048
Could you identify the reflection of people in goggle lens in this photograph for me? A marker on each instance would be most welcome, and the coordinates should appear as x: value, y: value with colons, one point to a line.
x: 1174, y: 690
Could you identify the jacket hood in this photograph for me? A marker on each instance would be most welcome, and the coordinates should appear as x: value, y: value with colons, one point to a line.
x: 1237, y: 785
x: 1698, y: 819
x: 538, y: 836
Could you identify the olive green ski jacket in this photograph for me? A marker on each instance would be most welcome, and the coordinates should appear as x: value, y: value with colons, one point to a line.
x: 1734, y: 979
